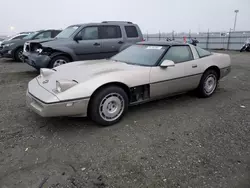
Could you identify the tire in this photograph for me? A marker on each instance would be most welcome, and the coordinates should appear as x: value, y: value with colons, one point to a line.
x: 102, y: 100
x: 210, y: 76
x: 58, y: 60
x: 17, y: 55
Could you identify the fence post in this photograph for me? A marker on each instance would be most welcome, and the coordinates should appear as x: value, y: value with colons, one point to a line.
x: 159, y: 35
x: 228, y: 41
x: 147, y: 35
x: 173, y: 35
x: 207, y: 43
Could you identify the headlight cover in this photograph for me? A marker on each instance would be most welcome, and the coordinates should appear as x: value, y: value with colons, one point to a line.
x: 64, y: 85
x: 44, y: 72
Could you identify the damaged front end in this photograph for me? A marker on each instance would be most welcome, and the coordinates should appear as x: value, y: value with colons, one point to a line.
x: 39, y: 49
x: 36, y: 55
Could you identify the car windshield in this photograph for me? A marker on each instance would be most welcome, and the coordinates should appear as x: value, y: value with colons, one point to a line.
x: 66, y: 33
x: 144, y: 55
x: 31, y: 35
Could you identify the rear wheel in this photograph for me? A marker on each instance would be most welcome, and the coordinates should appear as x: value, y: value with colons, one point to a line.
x: 108, y: 105
x: 18, y: 55
x: 208, y: 83
x: 58, y: 60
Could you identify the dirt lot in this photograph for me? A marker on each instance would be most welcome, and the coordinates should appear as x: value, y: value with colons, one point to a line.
x: 179, y: 142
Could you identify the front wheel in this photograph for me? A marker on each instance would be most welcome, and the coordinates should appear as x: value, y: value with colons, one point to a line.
x: 108, y: 105
x: 208, y: 83
x: 18, y: 55
x: 58, y: 60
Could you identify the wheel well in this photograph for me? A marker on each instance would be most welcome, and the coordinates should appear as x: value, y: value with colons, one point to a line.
x: 19, y: 47
x: 58, y: 53
x: 119, y: 84
x: 68, y: 56
x: 215, y: 68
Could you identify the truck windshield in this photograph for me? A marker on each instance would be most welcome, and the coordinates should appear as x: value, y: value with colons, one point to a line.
x: 66, y: 33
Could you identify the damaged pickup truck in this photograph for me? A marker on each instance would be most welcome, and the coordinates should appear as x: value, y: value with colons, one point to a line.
x: 82, y: 42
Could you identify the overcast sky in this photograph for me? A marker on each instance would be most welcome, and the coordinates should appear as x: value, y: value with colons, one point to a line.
x: 151, y: 15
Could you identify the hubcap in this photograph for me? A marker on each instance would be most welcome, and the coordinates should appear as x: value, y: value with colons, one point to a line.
x: 210, y: 84
x: 111, y: 107
x: 59, y: 62
x: 20, y: 55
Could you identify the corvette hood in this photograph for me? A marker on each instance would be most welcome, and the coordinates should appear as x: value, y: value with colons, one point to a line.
x: 82, y: 71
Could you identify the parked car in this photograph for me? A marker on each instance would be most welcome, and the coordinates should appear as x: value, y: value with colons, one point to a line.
x: 14, y: 48
x: 13, y: 37
x: 246, y: 46
x: 103, y: 89
x: 82, y: 42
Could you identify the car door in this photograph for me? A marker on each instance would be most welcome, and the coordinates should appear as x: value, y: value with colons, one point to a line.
x: 87, y: 44
x: 184, y: 76
x: 112, y: 40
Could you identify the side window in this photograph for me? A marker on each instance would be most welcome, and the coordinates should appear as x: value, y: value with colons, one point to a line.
x: 202, y: 52
x: 89, y: 33
x: 131, y: 31
x: 111, y: 32
x: 43, y: 35
x: 179, y: 54
x: 19, y: 37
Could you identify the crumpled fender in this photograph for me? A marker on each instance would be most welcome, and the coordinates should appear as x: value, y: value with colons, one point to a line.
x: 64, y: 50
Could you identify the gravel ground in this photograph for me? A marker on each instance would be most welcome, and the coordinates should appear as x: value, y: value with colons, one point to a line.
x: 179, y: 142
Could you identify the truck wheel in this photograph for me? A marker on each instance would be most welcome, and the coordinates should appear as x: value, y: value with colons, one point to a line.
x: 18, y: 55
x: 208, y: 83
x: 108, y: 105
x: 58, y: 60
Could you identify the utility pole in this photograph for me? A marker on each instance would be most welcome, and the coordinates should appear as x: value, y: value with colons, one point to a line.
x: 235, y: 19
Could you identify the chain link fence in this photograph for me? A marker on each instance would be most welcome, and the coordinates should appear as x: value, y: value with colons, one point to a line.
x: 232, y: 40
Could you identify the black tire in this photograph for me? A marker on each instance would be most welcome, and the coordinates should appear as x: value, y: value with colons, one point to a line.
x: 95, y: 103
x: 56, y: 58
x: 16, y: 55
x: 201, y: 88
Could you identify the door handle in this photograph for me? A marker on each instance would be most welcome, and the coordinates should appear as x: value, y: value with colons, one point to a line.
x: 96, y: 44
x: 194, y: 66
x: 120, y: 42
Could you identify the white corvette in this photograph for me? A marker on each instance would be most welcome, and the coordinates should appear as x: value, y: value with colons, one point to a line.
x: 103, y: 89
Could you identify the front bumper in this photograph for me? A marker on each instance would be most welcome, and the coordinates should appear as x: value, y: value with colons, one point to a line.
x: 36, y: 60
x: 77, y: 108
x: 7, y: 53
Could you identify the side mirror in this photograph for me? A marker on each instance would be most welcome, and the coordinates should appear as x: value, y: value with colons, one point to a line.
x: 78, y: 37
x: 167, y: 63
